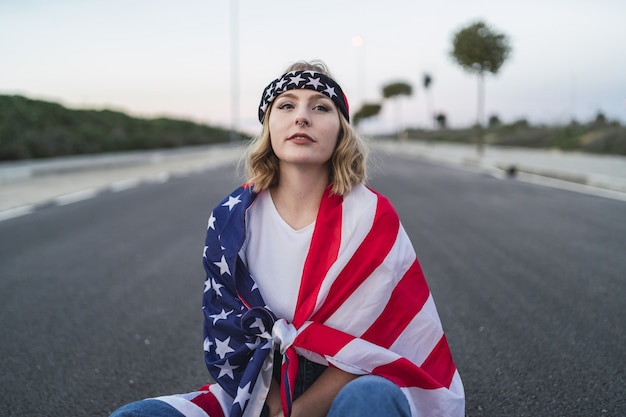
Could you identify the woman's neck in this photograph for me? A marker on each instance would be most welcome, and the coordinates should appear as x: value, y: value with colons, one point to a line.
x: 298, y: 194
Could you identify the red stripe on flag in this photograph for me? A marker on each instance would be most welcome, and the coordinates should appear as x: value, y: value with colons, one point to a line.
x: 323, y: 340
x: 406, y: 301
x: 440, y: 364
x: 405, y: 373
x: 322, y: 254
x: 209, y: 404
x: 369, y: 255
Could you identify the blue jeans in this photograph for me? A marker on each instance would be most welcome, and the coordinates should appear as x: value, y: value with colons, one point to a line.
x: 364, y: 397
x: 370, y: 396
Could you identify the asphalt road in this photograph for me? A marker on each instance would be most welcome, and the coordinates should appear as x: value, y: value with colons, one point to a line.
x: 100, y: 300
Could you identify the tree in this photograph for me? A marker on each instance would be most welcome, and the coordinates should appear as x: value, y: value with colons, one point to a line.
x: 427, y: 81
x: 478, y: 49
x: 441, y: 119
x: 366, y: 111
x: 494, y: 121
x: 397, y: 89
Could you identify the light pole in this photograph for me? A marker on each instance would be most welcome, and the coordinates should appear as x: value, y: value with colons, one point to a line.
x: 359, y: 44
x: 234, y: 69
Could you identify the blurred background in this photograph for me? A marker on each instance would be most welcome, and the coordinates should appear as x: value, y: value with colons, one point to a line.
x: 208, y: 61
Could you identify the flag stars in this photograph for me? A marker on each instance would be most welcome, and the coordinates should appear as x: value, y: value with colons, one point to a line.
x: 211, y: 222
x: 222, y: 347
x: 258, y: 323
x: 226, y: 369
x: 207, y: 344
x: 232, y: 202
x: 223, y: 315
x: 223, y: 265
x: 217, y: 287
x: 243, y: 395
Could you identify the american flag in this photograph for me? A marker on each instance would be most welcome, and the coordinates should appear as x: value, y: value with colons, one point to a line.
x: 363, y: 306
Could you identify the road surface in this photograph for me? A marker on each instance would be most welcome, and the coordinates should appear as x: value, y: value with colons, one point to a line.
x: 100, y: 299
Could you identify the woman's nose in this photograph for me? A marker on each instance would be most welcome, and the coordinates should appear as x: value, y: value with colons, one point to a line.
x: 302, y: 121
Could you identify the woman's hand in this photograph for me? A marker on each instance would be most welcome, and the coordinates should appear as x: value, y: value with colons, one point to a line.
x: 316, y: 401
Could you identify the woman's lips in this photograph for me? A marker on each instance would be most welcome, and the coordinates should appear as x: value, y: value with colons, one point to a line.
x: 301, y: 136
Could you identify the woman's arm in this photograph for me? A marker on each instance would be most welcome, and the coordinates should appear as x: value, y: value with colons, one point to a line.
x: 315, y: 401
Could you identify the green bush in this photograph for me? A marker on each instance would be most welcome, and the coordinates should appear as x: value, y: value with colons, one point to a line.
x: 40, y: 129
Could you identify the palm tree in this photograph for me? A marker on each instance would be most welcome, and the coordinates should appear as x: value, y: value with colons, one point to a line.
x: 397, y: 89
x: 427, y: 81
x: 366, y: 111
x: 480, y: 50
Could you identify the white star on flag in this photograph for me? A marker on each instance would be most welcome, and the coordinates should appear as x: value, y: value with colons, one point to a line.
x: 243, y: 394
x: 232, y: 202
x: 258, y: 323
x: 224, y: 269
x: 216, y: 287
x: 211, y: 223
x: 222, y: 347
x: 207, y: 285
x: 207, y: 344
x: 253, y: 346
x: 222, y: 316
x: 226, y: 369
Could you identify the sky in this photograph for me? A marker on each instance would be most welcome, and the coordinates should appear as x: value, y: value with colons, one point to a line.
x: 209, y: 60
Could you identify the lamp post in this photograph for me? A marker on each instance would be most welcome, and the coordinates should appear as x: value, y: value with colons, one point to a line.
x: 234, y: 69
x: 359, y: 44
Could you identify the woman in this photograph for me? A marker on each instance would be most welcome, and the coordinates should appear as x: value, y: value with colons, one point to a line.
x: 314, y: 302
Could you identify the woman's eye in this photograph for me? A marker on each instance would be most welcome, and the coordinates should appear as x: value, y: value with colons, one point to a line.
x: 285, y: 106
x: 321, y: 107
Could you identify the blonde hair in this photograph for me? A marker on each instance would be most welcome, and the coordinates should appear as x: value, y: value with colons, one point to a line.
x: 347, y: 165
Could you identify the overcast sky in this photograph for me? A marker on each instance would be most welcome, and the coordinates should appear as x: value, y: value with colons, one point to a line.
x: 155, y: 57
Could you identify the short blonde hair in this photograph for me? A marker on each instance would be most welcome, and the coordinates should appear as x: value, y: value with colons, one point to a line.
x: 347, y: 165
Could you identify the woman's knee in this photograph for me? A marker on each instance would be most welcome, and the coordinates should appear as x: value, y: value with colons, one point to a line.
x: 146, y: 408
x: 370, y: 395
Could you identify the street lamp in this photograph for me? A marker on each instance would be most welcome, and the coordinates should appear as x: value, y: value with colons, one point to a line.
x: 234, y: 69
x: 359, y: 44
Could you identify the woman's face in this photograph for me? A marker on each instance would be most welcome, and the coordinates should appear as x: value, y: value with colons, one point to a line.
x: 304, y: 127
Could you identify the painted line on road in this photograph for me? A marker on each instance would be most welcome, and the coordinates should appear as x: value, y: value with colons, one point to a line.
x: 75, y: 197
x: 88, y: 193
x: 126, y: 184
x: 16, y: 212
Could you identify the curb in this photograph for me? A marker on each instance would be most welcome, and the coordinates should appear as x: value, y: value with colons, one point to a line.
x: 150, y: 167
x: 592, y: 183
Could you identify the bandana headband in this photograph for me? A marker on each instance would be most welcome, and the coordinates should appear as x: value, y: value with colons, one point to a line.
x: 311, y: 80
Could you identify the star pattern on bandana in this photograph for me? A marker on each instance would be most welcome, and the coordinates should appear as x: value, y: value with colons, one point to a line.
x: 311, y: 80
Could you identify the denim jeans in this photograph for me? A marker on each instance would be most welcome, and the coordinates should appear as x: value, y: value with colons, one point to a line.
x: 370, y: 396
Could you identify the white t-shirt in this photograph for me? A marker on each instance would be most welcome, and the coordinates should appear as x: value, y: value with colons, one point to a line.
x: 275, y: 255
